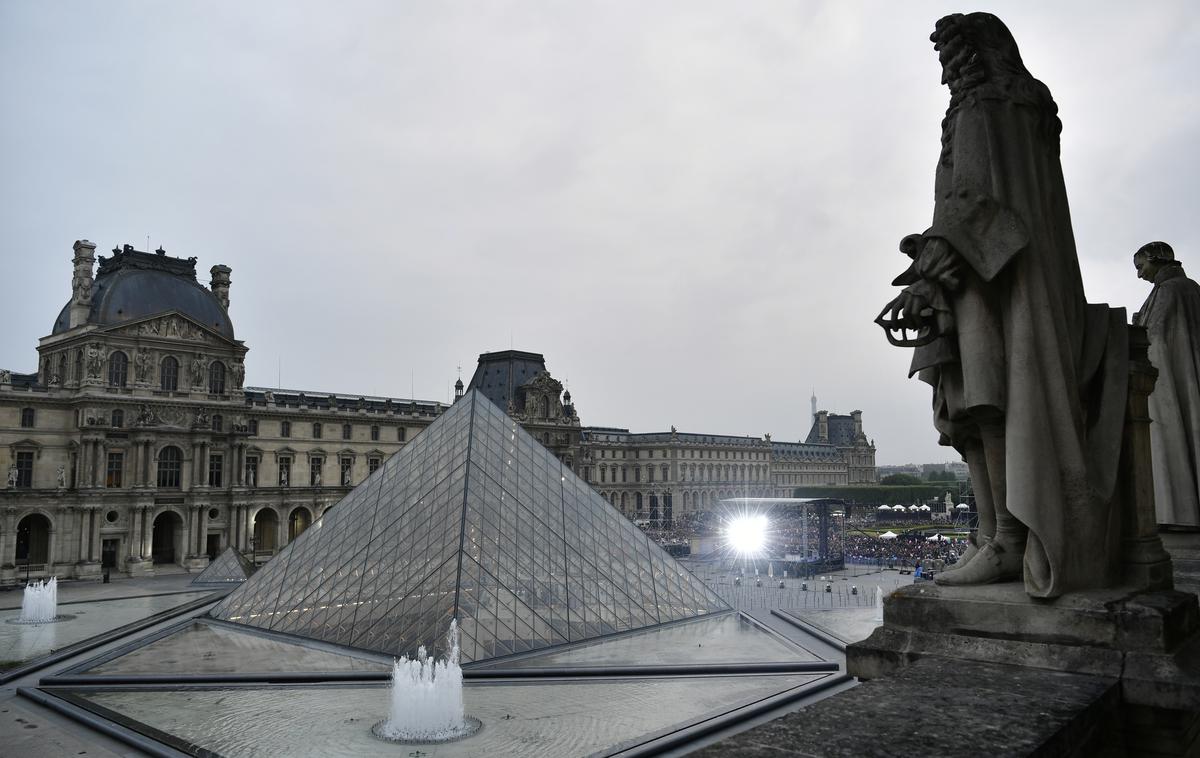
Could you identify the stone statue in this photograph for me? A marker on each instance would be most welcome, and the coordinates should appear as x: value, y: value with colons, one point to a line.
x: 94, y: 362
x: 12, y: 475
x: 141, y: 366
x: 1029, y: 380
x: 198, y: 370
x: 239, y: 373
x: 317, y: 478
x: 5, y: 376
x: 1171, y: 315
x: 62, y: 477
x: 283, y: 477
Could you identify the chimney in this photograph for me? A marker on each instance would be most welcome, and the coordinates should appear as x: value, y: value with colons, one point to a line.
x: 822, y: 426
x: 81, y: 283
x: 857, y: 416
x: 220, y: 284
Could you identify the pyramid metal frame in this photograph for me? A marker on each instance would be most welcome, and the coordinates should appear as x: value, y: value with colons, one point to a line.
x: 472, y: 520
x: 229, y: 567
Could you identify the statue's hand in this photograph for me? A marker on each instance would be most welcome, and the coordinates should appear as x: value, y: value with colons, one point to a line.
x: 938, y: 262
x: 908, y: 311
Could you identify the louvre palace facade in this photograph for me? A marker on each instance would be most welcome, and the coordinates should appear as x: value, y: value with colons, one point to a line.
x: 135, y: 447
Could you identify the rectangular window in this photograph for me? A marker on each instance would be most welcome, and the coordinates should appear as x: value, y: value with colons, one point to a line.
x: 285, y: 471
x: 27, y: 418
x: 314, y: 471
x: 253, y: 427
x: 374, y: 434
x: 116, y: 465
x: 317, y: 431
x: 216, y: 469
x: 624, y: 475
x: 251, y: 471
x: 24, y: 469
x: 400, y: 434
x: 285, y: 429
x: 347, y: 467
x: 345, y: 431
x: 637, y: 473
x: 372, y: 465
x: 650, y: 473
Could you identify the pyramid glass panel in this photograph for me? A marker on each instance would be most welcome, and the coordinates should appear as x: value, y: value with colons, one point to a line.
x: 473, y: 520
x: 230, y: 567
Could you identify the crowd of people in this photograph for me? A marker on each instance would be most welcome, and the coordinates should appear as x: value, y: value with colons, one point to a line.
x: 799, y: 534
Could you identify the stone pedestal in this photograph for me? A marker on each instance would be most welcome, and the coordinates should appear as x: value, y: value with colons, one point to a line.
x: 195, y: 563
x: 1147, y: 641
x: 139, y: 567
x: 88, y: 570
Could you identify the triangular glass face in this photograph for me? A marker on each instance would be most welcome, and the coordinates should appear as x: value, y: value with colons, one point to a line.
x: 230, y: 567
x: 473, y: 520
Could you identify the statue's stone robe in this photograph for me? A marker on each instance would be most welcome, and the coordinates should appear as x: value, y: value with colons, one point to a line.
x: 1027, y: 347
x: 1171, y: 315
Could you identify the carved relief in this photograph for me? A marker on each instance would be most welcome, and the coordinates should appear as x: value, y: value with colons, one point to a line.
x: 95, y: 361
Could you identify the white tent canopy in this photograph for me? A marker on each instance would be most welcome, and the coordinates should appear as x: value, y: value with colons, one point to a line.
x: 925, y: 508
x: 884, y: 508
x: 962, y: 506
x: 913, y: 508
x: 936, y: 538
x: 888, y: 536
x: 897, y: 507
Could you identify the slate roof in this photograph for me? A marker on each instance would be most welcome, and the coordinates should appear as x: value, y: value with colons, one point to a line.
x: 132, y: 285
x: 841, y: 431
x: 499, y: 375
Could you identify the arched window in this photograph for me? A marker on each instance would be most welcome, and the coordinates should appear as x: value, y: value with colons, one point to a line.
x: 118, y: 418
x: 27, y: 418
x: 169, y: 374
x: 118, y: 369
x: 216, y: 378
x: 62, y: 367
x: 317, y: 430
x: 170, y: 464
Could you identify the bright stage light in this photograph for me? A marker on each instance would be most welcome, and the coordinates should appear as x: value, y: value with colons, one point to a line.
x: 747, y: 534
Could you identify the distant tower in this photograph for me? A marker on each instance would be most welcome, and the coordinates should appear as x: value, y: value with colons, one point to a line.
x: 458, y: 386
x: 814, y: 406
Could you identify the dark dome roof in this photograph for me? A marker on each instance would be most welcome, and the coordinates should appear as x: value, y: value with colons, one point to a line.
x: 134, y: 285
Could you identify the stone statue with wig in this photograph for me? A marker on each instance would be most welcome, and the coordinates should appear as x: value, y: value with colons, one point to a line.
x: 1029, y: 380
x: 1171, y: 315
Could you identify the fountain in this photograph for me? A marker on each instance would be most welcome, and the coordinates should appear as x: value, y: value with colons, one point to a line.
x: 427, y: 699
x: 40, y: 604
x: 879, y: 603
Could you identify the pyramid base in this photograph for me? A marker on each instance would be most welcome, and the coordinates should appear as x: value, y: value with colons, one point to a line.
x: 469, y: 727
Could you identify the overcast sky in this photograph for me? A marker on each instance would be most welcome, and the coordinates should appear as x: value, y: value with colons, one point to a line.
x: 691, y: 209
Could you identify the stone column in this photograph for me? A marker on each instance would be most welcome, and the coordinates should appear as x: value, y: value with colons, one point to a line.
x: 186, y: 537
x: 147, y: 531
x: 186, y: 470
x: 51, y: 552
x: 202, y: 532
x: 1144, y: 560
x: 84, y: 540
x: 202, y: 465
x: 280, y: 533
x: 94, y: 553
x: 134, y: 543
x: 101, y: 463
x: 85, y: 455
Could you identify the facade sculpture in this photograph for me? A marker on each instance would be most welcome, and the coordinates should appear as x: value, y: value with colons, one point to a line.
x: 1171, y: 315
x: 1029, y: 380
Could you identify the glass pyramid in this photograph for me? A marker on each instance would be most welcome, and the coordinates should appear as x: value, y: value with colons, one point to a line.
x: 472, y: 520
x: 228, y: 567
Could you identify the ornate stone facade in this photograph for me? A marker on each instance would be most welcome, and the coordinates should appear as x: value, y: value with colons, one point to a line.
x: 135, y: 448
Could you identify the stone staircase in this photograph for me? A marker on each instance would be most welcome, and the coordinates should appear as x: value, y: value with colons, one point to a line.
x: 1184, y: 548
